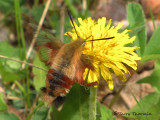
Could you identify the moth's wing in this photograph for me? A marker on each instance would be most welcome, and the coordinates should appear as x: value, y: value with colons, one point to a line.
x: 47, y: 46
x: 86, y: 62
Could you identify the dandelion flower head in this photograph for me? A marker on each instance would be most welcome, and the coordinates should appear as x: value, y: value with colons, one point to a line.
x: 108, y: 56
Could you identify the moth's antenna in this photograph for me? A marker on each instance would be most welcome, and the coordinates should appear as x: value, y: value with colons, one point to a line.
x: 100, y: 39
x: 70, y: 16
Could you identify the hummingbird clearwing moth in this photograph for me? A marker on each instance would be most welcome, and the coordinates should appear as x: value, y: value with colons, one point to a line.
x: 67, y: 64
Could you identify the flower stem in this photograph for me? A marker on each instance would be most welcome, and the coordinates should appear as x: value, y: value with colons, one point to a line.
x: 118, y: 93
x: 92, y: 103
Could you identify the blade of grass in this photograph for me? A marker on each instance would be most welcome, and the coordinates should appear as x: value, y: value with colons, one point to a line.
x: 28, y: 92
x: 19, y: 29
x: 139, y: 105
x: 17, y: 25
x: 153, y: 21
x: 19, y: 86
x: 35, y: 109
x: 22, y: 36
x: 36, y: 2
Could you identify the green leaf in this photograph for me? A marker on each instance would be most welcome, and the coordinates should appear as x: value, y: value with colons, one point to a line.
x: 106, y: 114
x: 7, y: 50
x: 134, y: 30
x: 154, y: 78
x: 37, y: 12
x: 145, y: 109
x: 153, y: 46
x: 8, y: 116
x: 156, y: 110
x: 3, y: 106
x: 136, y: 17
x: 18, y: 104
x: 150, y: 57
x: 71, y: 7
x: 6, y: 5
x: 41, y: 114
x: 152, y: 16
x: 98, y: 110
x: 76, y: 106
x: 39, y: 75
x: 9, y: 75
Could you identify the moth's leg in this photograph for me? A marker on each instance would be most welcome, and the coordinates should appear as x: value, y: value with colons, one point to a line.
x: 89, y: 37
x: 90, y: 84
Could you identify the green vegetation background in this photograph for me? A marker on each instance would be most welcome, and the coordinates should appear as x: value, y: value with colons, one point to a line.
x: 76, y: 107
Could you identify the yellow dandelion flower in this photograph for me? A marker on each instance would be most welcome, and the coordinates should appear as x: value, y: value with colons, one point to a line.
x: 107, y: 55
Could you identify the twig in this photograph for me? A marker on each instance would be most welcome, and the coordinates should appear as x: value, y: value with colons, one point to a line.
x: 108, y: 94
x: 38, y: 29
x: 34, y: 103
x: 84, y: 6
x: 5, y: 57
x: 13, y: 98
x: 62, y: 17
x: 117, y: 93
x: 12, y: 87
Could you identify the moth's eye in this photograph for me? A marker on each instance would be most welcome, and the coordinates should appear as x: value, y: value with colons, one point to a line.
x: 83, y: 44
